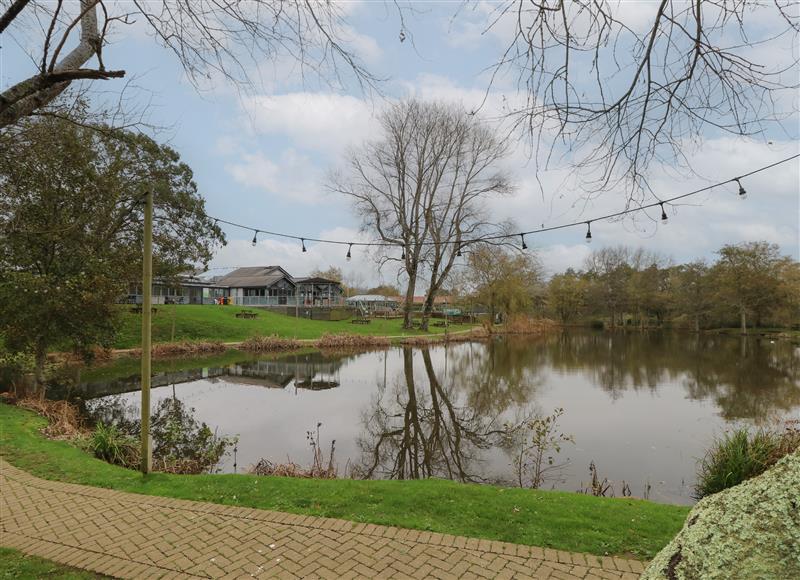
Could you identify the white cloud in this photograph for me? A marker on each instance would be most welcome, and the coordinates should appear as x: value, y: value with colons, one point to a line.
x: 292, y: 176
x: 363, y: 45
x: 558, y: 257
x: 320, y: 121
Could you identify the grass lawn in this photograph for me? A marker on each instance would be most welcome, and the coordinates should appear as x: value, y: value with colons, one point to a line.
x: 561, y: 520
x: 14, y: 564
x: 208, y: 322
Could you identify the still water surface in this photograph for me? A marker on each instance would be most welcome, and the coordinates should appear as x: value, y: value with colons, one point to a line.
x: 643, y: 407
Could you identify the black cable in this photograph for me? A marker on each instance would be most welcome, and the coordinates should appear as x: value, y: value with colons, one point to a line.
x: 660, y: 202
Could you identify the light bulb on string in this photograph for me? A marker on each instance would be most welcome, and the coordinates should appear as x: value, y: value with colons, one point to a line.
x: 303, y: 243
x: 255, y: 237
x: 403, y: 255
x: 742, y: 191
x: 524, y: 245
x: 588, y: 232
x: 350, y: 247
x: 458, y: 252
x: 664, y: 218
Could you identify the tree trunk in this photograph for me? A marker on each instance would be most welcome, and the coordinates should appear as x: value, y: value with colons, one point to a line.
x: 697, y: 323
x: 743, y: 315
x: 427, y: 309
x: 409, y: 304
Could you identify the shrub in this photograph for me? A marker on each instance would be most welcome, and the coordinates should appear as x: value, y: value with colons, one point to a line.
x: 741, y: 455
x: 181, y: 443
x: 112, y: 445
x: 536, y: 459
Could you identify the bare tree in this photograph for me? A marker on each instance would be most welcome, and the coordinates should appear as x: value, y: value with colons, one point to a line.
x: 620, y: 87
x: 421, y: 189
x: 416, y: 431
x: 209, y: 38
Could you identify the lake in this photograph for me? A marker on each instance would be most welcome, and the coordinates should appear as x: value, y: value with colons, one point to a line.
x: 642, y: 406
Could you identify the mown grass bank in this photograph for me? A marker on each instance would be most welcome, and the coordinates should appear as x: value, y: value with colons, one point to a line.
x: 219, y: 323
x: 15, y: 564
x: 560, y: 520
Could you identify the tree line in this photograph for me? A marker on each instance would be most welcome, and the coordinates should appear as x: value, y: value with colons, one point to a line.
x: 747, y: 285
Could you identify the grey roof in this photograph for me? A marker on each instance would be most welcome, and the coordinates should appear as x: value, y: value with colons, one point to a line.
x: 254, y: 277
x: 315, y: 280
x: 371, y: 298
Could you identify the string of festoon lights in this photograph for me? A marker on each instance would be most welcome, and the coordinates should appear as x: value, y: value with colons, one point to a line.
x: 742, y: 193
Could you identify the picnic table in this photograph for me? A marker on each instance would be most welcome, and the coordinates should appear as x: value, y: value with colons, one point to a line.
x: 360, y: 321
x: 138, y: 309
x: 246, y: 314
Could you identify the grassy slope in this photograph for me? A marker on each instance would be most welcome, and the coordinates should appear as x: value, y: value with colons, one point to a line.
x: 561, y: 520
x: 14, y: 564
x: 193, y: 322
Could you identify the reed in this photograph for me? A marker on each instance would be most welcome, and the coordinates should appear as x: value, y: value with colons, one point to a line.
x: 270, y: 344
x: 185, y: 348
x: 742, y: 454
x: 346, y: 340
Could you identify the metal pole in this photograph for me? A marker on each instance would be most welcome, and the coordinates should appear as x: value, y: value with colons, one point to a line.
x: 147, y: 304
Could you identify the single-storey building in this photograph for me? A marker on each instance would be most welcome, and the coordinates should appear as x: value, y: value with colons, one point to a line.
x: 274, y: 286
x: 186, y: 289
x: 251, y: 286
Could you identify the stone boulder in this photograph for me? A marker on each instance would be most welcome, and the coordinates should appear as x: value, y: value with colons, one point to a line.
x: 750, y: 531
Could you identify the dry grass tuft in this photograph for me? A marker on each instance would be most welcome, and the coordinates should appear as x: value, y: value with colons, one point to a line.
x: 291, y: 469
x: 475, y: 334
x: 345, y: 340
x: 185, y: 348
x: 270, y: 344
x: 64, y: 419
x: 321, y: 467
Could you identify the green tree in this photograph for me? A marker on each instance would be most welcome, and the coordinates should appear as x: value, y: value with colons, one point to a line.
x: 332, y: 273
x: 567, y: 295
x: 608, y: 272
x: 748, y: 279
x: 693, y: 292
x: 506, y: 282
x: 71, y: 229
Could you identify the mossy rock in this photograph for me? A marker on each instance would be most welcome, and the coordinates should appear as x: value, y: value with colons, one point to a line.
x: 750, y: 531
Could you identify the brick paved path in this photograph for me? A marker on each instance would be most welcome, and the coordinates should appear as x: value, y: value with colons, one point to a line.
x: 136, y: 536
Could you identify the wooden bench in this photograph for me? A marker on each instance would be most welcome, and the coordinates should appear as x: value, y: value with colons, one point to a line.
x: 360, y: 321
x: 138, y: 310
x: 246, y: 314
x: 441, y: 323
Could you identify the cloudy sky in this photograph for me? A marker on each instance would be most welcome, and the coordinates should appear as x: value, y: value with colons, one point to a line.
x: 261, y: 156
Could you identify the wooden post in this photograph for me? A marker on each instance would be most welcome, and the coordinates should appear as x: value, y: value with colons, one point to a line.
x: 147, y: 305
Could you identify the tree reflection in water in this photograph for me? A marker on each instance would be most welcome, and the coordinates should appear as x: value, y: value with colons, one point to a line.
x: 747, y: 378
x: 448, y: 420
x: 426, y: 428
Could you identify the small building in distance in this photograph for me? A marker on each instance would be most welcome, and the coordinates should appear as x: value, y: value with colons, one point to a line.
x: 372, y: 304
x: 274, y: 286
x: 250, y: 286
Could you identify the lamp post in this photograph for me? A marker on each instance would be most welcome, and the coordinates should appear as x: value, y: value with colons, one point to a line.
x: 147, y: 305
